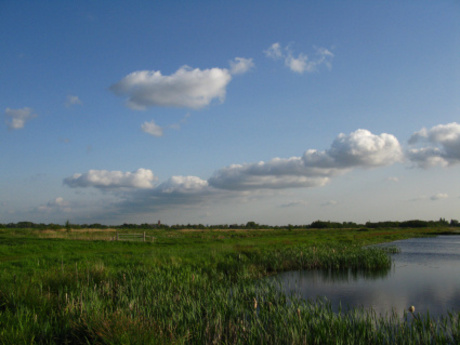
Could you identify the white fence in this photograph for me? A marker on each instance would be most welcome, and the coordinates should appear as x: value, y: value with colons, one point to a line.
x: 132, y: 237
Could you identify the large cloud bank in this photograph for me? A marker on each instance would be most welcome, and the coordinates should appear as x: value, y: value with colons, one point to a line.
x: 440, y: 146
x: 359, y: 149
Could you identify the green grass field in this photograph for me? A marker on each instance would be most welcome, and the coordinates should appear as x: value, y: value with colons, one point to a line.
x: 193, y: 287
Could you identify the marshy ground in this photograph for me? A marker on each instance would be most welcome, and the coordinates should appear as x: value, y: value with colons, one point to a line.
x: 193, y: 287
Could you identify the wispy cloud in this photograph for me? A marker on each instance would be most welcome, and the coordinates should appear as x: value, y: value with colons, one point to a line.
x: 17, y: 118
x: 241, y: 65
x: 56, y: 205
x: 152, y: 128
x: 179, y: 124
x: 301, y: 62
x: 294, y: 203
x: 72, y: 100
x: 439, y: 196
x: 274, y: 52
x: 329, y: 203
x: 393, y: 179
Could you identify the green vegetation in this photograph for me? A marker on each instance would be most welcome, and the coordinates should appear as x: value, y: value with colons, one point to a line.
x: 76, y: 286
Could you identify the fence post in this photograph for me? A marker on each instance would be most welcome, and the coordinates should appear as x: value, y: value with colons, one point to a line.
x: 144, y: 236
x: 117, y: 235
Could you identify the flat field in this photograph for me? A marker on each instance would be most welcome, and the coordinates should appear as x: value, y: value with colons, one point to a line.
x: 193, y: 287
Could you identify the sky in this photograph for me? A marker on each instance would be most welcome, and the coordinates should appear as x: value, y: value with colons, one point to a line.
x: 213, y: 112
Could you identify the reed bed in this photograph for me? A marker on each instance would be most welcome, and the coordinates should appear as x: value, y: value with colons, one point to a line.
x: 136, y: 293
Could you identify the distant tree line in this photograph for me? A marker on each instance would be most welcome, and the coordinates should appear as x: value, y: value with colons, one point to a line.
x: 318, y: 224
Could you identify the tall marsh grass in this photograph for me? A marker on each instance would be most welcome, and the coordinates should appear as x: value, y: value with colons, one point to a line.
x: 123, y: 293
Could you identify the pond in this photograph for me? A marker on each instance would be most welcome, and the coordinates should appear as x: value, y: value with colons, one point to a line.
x: 425, y: 274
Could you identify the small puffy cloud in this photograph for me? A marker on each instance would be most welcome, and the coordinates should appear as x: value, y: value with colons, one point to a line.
x: 393, y: 179
x: 58, y: 204
x: 152, y: 128
x: 442, y: 146
x: 187, y: 87
x: 104, y: 179
x: 241, y: 65
x: 301, y: 63
x: 16, y: 118
x: 274, y: 52
x: 439, y: 196
x: 72, y: 100
x: 359, y: 149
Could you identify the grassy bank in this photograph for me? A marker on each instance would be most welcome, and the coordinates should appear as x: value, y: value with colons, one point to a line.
x: 197, y: 287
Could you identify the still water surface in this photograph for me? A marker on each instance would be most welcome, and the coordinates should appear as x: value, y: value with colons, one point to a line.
x: 426, y: 274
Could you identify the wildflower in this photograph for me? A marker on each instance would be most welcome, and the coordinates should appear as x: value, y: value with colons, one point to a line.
x: 411, y: 310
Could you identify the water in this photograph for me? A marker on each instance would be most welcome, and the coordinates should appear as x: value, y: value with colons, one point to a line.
x: 425, y: 274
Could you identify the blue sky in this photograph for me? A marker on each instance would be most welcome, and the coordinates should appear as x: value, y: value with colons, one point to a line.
x: 227, y: 112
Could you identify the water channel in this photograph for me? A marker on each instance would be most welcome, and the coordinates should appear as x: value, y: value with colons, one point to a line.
x: 425, y: 274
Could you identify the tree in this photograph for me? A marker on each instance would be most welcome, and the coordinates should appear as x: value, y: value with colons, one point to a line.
x: 252, y: 225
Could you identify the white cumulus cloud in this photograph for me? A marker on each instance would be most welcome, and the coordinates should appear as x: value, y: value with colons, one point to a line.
x: 442, y: 146
x: 364, y: 149
x: 16, y: 118
x: 152, y: 128
x: 104, y: 179
x: 187, y: 87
